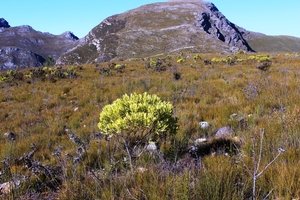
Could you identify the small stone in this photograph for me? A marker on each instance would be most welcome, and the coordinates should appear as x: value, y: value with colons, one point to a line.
x: 10, y: 136
x: 141, y: 169
x: 223, y: 132
x: 76, y: 109
x: 204, y: 125
x: 233, y: 116
x: 200, y: 141
x: 151, y: 147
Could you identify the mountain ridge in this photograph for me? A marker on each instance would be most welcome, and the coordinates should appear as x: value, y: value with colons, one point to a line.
x: 23, y: 46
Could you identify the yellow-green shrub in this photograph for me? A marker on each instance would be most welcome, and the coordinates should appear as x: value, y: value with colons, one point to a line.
x: 136, y: 113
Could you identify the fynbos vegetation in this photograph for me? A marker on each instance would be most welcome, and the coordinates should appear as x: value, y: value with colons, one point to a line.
x: 207, y: 127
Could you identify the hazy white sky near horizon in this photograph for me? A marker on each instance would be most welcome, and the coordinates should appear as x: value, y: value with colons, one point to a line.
x: 274, y: 17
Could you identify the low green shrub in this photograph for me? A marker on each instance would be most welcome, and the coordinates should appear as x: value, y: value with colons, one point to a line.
x: 138, y: 116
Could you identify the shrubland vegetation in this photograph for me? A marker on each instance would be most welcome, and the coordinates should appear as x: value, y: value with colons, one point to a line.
x: 59, y: 152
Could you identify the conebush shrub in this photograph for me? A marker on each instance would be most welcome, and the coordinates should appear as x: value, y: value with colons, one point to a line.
x: 138, y: 115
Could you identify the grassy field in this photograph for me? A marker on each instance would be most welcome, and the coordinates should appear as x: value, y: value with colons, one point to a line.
x: 39, y: 106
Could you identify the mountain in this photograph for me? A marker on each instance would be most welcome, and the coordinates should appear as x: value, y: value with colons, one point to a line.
x: 22, y: 46
x: 159, y: 28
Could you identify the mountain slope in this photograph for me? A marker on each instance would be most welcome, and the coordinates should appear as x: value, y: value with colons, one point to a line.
x: 34, y: 46
x: 266, y: 43
x: 159, y: 28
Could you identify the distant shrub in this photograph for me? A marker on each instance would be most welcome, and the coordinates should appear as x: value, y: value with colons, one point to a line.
x: 177, y: 76
x: 49, y: 61
x: 260, y: 58
x: 3, y: 78
x: 180, y: 60
x: 119, y: 67
x: 138, y: 116
x: 207, y: 62
x: 11, y: 75
x: 53, y: 73
x: 158, y: 64
x: 264, y: 66
x: 227, y: 60
x: 111, y: 69
x: 196, y: 57
x: 44, y: 73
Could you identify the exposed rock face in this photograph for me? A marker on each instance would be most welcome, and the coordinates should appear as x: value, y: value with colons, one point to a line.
x: 167, y: 27
x: 215, y: 23
x: 4, y: 23
x: 69, y: 35
x: 23, y: 46
x: 13, y: 58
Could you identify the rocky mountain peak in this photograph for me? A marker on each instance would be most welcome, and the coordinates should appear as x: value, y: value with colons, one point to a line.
x: 166, y: 27
x: 69, y: 35
x: 4, y: 23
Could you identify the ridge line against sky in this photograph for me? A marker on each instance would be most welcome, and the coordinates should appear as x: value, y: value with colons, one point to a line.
x: 273, y: 17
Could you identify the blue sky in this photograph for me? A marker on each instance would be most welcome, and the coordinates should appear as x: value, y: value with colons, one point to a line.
x: 274, y: 17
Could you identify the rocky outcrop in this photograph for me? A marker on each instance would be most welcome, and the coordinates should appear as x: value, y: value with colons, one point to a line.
x: 168, y: 27
x: 22, y: 46
x: 215, y: 23
x: 4, y: 23
x: 14, y: 58
x: 70, y: 36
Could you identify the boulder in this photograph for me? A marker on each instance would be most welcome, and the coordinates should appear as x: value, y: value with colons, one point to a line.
x: 151, y: 147
x: 200, y: 141
x: 224, y: 132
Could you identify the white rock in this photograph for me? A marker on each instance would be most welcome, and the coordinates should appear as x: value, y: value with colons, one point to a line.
x: 224, y: 132
x: 151, y: 147
x: 76, y: 109
x: 204, y: 125
x: 200, y: 141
